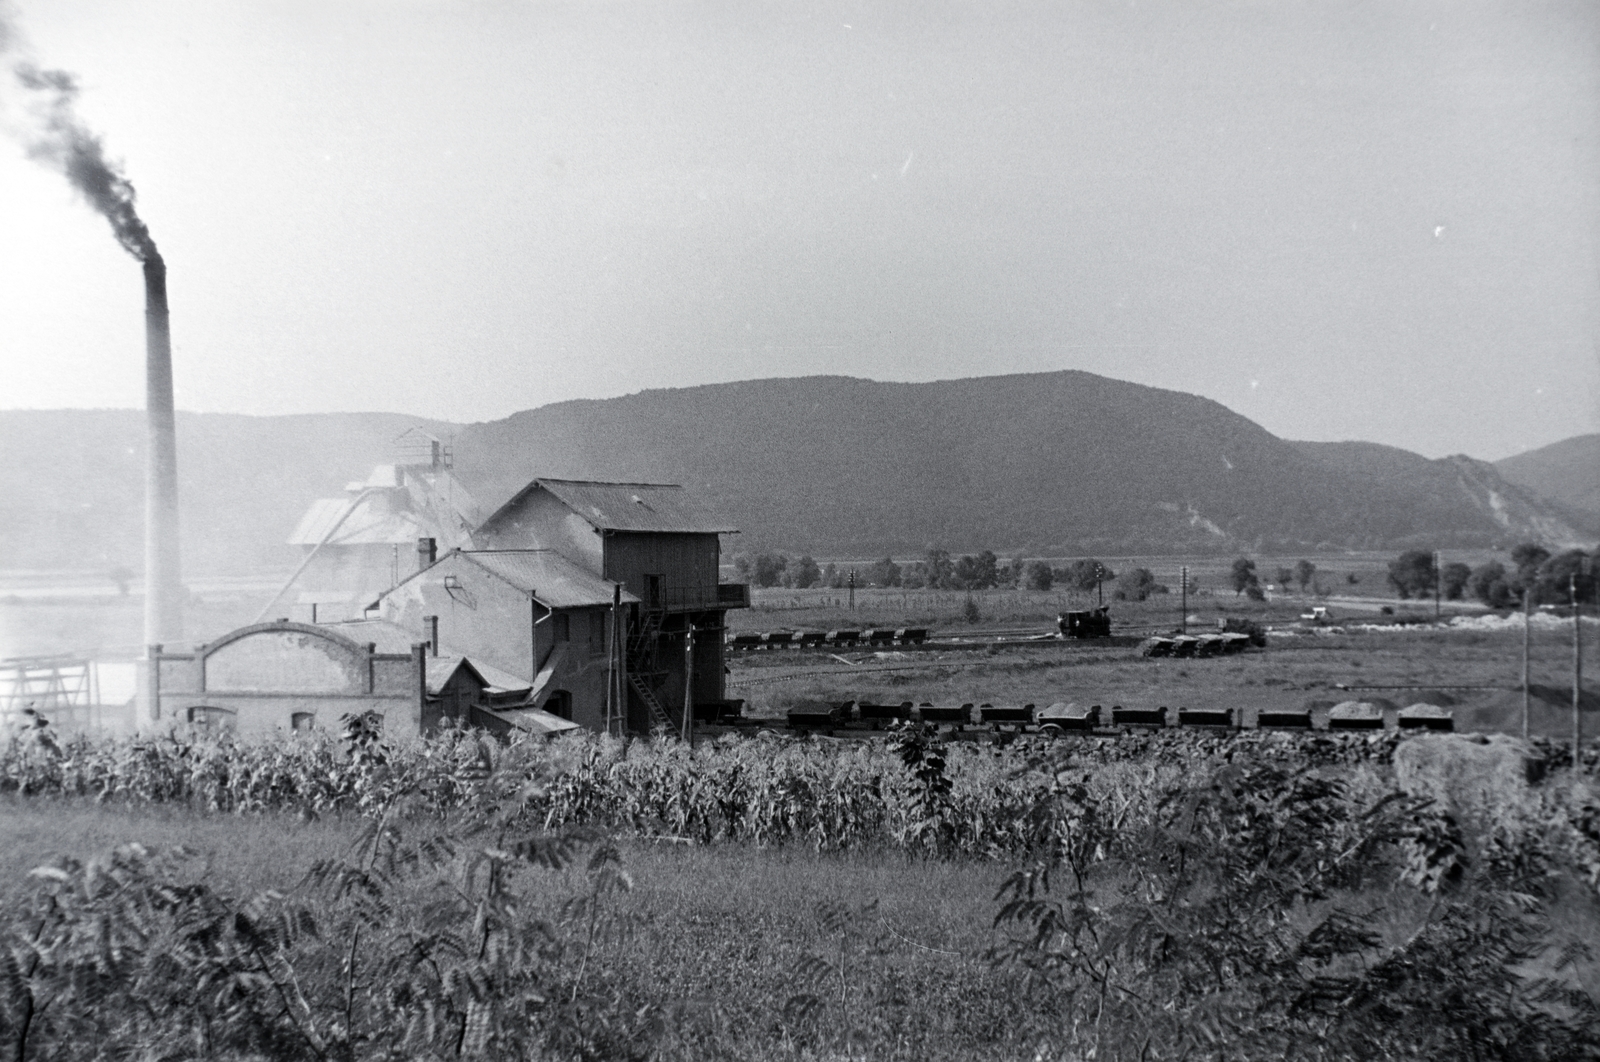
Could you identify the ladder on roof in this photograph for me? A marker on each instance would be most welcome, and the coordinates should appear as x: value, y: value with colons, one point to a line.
x: 659, y: 716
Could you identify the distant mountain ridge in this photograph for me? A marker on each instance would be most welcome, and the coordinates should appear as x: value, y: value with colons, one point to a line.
x: 1053, y: 464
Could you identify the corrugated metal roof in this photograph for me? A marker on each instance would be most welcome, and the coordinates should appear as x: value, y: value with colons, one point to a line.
x: 662, y: 507
x: 554, y: 581
x: 536, y: 721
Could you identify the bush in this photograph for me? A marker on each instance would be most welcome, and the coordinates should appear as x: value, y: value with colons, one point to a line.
x: 1137, y: 584
x: 1039, y: 576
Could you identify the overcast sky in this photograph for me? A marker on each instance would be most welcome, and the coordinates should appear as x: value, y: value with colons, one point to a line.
x: 1372, y: 220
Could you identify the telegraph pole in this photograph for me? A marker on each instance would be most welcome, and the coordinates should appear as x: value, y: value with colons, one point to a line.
x: 852, y: 589
x: 1577, y: 675
x: 1436, y: 578
x: 688, y: 685
x: 1527, y: 626
x: 1184, y: 577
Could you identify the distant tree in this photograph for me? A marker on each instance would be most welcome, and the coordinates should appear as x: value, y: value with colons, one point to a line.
x: 914, y: 576
x: 832, y: 577
x: 941, y: 571
x: 1529, y: 557
x: 1284, y: 577
x: 1455, y: 577
x: 976, y: 573
x: 969, y: 611
x: 1254, y: 592
x: 1243, y: 575
x: 767, y: 569
x: 804, y: 573
x: 741, y: 564
x: 1413, y: 574
x: 1136, y: 584
x: 1305, y: 573
x: 883, y: 573
x: 1039, y: 576
x: 1558, y: 575
x: 1085, y: 574
x: 1492, y: 585
x: 1352, y: 578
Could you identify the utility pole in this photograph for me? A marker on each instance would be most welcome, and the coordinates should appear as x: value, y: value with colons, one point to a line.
x: 1184, y: 577
x: 1436, y: 578
x: 1527, y: 627
x: 852, y: 589
x: 688, y: 685
x: 1577, y: 675
x: 613, y: 674
x: 1099, y: 576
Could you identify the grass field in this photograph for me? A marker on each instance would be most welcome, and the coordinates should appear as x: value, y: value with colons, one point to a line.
x: 719, y: 930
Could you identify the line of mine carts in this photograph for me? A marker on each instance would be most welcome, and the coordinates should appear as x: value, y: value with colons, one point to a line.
x: 1221, y: 643
x: 828, y: 639
x: 1064, y: 718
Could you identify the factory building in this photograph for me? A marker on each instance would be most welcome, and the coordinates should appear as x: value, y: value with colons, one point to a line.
x: 529, y: 612
x: 659, y: 544
x: 603, y: 599
x: 272, y: 678
x: 356, y: 547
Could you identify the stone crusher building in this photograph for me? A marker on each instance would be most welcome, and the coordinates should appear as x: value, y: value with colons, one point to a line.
x: 660, y: 544
x: 531, y: 613
x: 271, y: 678
x: 355, y: 547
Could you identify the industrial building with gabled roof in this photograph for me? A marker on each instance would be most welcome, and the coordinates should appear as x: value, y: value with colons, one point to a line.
x: 530, y: 613
x: 648, y: 507
x: 604, y: 598
x: 662, y: 544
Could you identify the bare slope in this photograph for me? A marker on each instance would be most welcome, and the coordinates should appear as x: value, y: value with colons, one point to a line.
x: 1567, y: 472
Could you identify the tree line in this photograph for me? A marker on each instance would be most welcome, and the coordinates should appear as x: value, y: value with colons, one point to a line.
x: 1545, y: 577
x: 938, y: 569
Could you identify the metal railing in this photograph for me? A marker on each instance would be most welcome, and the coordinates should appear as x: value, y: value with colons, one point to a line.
x: 702, y: 598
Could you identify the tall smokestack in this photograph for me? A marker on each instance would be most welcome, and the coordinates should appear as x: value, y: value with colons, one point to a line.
x: 163, y: 582
x: 63, y: 142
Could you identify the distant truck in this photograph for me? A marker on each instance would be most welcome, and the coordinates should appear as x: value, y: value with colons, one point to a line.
x: 1095, y: 623
x: 1318, y: 614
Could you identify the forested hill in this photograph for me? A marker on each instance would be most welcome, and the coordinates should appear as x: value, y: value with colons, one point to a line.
x: 1056, y: 463
x: 1053, y: 464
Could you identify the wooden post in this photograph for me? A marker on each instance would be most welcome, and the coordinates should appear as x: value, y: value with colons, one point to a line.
x: 688, y: 685
x: 1436, y: 580
x: 1577, y: 675
x: 612, y: 685
x: 1527, y: 627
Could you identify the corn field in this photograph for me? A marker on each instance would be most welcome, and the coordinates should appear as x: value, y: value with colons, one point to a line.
x: 1239, y: 896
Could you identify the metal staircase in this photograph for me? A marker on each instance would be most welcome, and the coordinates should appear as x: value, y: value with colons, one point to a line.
x: 642, y: 645
x: 659, y: 716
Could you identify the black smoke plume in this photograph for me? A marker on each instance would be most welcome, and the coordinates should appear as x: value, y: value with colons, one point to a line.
x: 63, y: 142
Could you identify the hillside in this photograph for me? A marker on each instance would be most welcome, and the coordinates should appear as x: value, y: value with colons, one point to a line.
x: 72, y: 483
x: 1567, y: 472
x: 1053, y: 464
